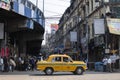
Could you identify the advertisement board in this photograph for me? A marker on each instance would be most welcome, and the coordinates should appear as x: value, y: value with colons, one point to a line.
x: 73, y: 36
x: 99, y: 27
x: 54, y: 28
x: 5, y: 4
x: 114, y: 26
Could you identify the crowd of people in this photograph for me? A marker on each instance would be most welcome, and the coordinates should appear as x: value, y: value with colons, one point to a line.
x: 110, y: 63
x: 18, y: 63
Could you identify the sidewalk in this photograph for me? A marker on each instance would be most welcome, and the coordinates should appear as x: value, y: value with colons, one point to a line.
x: 115, y: 71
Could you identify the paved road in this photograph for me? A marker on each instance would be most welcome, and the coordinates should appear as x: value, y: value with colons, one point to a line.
x: 89, y: 75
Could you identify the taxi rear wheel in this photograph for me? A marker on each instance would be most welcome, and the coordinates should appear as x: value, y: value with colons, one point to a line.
x: 48, y: 71
x: 79, y: 71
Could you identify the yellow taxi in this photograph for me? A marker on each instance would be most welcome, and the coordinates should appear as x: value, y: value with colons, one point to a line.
x: 61, y: 63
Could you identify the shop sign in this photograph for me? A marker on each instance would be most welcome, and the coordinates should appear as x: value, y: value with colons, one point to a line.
x: 4, y: 5
x: 114, y: 26
x: 107, y: 50
x: 73, y: 36
x: 6, y: 1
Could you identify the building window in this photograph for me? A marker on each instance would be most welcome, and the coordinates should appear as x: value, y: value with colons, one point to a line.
x: 29, y: 5
x: 96, y: 0
x: 56, y: 59
x: 33, y: 7
x: 23, y: 1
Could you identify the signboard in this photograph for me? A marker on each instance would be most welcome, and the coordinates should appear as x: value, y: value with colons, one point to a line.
x: 99, y: 27
x: 6, y: 1
x: 5, y: 5
x: 1, y: 30
x: 107, y: 50
x: 114, y: 26
x: 73, y: 36
x: 54, y: 28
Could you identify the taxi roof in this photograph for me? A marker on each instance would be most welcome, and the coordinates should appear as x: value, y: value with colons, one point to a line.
x: 58, y: 55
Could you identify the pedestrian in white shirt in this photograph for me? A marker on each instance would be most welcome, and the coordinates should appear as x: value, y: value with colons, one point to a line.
x: 105, y: 64
x: 109, y: 64
x: 1, y: 64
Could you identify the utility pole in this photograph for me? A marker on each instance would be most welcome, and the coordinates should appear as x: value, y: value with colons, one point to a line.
x: 106, y: 30
x: 36, y: 3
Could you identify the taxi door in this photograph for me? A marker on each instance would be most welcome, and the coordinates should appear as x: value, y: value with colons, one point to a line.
x: 57, y: 63
x: 67, y: 64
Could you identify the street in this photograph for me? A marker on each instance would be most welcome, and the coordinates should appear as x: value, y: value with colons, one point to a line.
x: 35, y: 75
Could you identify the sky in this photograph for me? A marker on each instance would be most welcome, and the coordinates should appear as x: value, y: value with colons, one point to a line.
x: 52, y: 8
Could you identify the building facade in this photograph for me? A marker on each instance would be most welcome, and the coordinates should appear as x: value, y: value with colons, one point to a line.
x: 83, y: 17
x: 21, y: 28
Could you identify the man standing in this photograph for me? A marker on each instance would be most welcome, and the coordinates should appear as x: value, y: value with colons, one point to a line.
x: 1, y: 64
x: 109, y: 64
x: 12, y: 64
x: 105, y: 64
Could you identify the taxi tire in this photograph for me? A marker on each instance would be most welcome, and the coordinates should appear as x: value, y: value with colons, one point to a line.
x: 79, y: 71
x: 49, y: 71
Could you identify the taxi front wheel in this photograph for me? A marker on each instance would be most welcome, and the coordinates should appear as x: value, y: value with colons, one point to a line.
x: 48, y: 71
x: 79, y: 71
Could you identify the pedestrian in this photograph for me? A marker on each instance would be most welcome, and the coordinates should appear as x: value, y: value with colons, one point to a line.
x: 12, y: 64
x: 105, y: 63
x: 32, y: 62
x: 1, y: 64
x: 5, y: 60
x: 113, y: 60
x: 109, y: 61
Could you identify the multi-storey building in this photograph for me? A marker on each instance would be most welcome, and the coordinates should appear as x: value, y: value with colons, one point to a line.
x: 80, y: 17
x: 21, y: 28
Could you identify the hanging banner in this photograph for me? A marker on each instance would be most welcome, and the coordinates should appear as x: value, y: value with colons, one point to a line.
x: 7, y: 51
x: 6, y: 1
x: 99, y: 26
x: 54, y: 28
x: 114, y: 26
x: 5, y: 4
x: 2, y: 52
x: 73, y: 36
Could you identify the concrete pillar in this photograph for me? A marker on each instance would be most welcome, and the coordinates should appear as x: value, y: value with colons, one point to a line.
x: 22, y: 48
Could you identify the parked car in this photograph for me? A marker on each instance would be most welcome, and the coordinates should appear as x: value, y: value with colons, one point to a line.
x: 61, y: 63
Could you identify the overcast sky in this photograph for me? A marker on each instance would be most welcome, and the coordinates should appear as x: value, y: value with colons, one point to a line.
x: 52, y: 8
